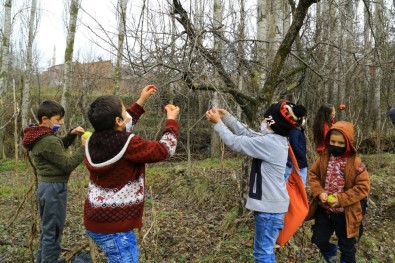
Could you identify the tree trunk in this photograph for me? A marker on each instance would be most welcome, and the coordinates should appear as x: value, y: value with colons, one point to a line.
x: 5, y: 59
x: 241, y: 53
x: 380, y: 36
x: 215, y: 143
x: 16, y: 133
x: 262, y: 39
x: 29, y: 65
x: 121, y: 36
x: 368, y: 64
x: 68, y: 60
x: 377, y: 104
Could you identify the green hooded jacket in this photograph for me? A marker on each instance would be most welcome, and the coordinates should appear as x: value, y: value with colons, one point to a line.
x: 52, y: 160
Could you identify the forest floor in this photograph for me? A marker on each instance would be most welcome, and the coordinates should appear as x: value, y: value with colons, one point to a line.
x: 191, y: 215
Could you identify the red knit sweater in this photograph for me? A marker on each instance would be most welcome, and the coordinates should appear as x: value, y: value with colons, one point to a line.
x: 116, y: 162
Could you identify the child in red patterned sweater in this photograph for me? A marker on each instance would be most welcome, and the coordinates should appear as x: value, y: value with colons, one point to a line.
x: 338, y: 182
x: 116, y: 161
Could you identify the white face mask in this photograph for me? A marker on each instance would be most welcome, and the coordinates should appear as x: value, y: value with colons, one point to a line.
x: 303, y: 125
x: 129, y: 125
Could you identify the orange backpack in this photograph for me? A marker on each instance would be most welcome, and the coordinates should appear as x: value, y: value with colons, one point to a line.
x: 298, y: 204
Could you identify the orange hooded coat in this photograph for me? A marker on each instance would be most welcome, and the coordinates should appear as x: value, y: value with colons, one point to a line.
x: 357, y: 182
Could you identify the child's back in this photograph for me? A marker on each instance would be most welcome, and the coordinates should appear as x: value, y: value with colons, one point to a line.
x: 116, y: 161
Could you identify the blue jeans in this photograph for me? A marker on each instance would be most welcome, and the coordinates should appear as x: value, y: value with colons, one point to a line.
x: 118, y: 247
x: 303, y: 174
x: 267, y: 229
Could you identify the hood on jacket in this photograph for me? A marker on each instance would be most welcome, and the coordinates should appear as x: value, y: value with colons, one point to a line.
x: 347, y: 129
x: 33, y: 133
x: 104, y: 149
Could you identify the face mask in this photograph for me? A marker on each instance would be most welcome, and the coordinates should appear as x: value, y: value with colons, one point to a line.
x: 336, y: 150
x: 55, y: 127
x: 303, y: 123
x: 129, y: 125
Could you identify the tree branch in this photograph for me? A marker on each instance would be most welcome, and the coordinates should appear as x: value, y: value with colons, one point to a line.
x: 284, y: 50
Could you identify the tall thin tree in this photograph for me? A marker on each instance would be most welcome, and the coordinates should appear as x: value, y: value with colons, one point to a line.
x: 215, y: 103
x: 29, y: 64
x: 121, y: 13
x: 68, y: 59
x: 5, y: 60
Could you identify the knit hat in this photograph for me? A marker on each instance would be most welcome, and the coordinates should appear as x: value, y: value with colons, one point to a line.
x: 391, y: 113
x: 283, y: 116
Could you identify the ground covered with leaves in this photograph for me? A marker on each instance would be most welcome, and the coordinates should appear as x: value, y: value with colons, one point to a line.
x: 191, y: 215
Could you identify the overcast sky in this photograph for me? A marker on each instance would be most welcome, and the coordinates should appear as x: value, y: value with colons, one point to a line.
x: 52, y: 31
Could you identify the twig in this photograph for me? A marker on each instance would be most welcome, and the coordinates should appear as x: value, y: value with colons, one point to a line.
x: 20, y: 206
x: 76, y: 251
x: 153, y: 220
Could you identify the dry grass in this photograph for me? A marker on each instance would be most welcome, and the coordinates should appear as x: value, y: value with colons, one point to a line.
x: 191, y: 216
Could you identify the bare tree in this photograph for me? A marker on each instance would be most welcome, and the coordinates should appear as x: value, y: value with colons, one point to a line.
x: 380, y: 39
x: 264, y: 95
x: 29, y: 64
x: 68, y: 58
x: 121, y: 13
x: 215, y: 103
x: 5, y: 60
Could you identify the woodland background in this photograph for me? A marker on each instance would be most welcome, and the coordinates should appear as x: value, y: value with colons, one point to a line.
x: 238, y: 55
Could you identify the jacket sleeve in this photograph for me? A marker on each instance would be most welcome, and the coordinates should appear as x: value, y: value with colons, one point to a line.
x: 55, y: 153
x: 360, y: 188
x: 314, y: 179
x: 145, y: 151
x: 68, y: 139
x: 260, y: 147
x: 135, y: 111
x: 237, y: 127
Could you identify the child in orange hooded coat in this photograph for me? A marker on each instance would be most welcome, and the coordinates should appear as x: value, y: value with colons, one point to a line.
x: 341, y: 173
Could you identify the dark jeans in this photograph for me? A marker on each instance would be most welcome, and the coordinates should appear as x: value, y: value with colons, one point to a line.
x: 323, y: 228
x: 52, y: 201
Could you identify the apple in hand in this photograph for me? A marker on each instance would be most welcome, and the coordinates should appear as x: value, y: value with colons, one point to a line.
x: 331, y: 198
x: 86, y: 135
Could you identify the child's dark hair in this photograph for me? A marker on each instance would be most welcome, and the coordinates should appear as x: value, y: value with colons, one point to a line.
x: 49, y: 108
x: 103, y: 111
x: 323, y: 116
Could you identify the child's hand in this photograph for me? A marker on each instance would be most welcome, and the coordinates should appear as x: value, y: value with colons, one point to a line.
x: 172, y: 111
x: 213, y: 116
x: 78, y: 130
x: 146, y: 93
x: 221, y: 112
x: 323, y: 197
x: 83, y: 140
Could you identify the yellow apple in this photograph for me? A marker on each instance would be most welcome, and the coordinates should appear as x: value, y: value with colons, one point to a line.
x: 86, y: 135
x: 331, y: 198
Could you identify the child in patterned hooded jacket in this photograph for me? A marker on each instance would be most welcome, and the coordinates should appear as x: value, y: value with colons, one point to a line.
x: 116, y: 160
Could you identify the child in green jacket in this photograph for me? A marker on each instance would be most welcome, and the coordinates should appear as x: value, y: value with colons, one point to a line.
x: 54, y: 164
